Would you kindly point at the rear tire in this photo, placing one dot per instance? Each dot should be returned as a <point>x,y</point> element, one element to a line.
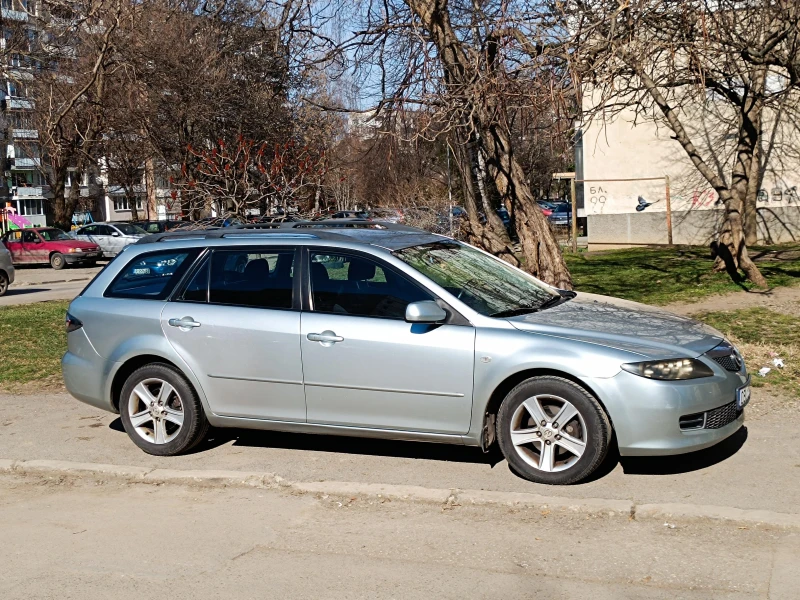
<point>57,261</point>
<point>3,283</point>
<point>161,412</point>
<point>551,430</point>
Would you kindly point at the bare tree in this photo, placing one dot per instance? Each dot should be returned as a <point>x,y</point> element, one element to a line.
<point>459,64</point>
<point>673,60</point>
<point>74,59</point>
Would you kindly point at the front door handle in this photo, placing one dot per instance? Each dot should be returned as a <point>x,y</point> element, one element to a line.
<point>185,323</point>
<point>327,337</point>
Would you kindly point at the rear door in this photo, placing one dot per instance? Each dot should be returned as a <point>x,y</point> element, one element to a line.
<point>237,325</point>
<point>13,242</point>
<point>364,366</point>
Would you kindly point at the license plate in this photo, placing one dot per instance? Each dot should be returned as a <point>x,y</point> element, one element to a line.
<point>144,271</point>
<point>742,397</point>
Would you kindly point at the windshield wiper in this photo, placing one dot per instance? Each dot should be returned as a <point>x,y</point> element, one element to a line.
<point>515,312</point>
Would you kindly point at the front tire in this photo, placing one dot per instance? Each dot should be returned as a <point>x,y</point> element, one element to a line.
<point>552,431</point>
<point>3,283</point>
<point>161,412</point>
<point>57,261</point>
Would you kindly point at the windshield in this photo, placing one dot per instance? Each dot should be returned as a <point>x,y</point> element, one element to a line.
<point>129,229</point>
<point>563,208</point>
<point>52,235</point>
<point>486,284</point>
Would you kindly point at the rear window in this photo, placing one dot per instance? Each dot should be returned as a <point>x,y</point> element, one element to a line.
<point>152,276</point>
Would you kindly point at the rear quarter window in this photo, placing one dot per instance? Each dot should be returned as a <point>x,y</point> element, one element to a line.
<point>152,276</point>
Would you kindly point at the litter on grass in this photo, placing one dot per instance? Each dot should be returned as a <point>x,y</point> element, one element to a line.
<point>778,362</point>
<point>762,372</point>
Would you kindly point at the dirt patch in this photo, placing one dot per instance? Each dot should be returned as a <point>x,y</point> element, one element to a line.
<point>784,300</point>
<point>53,384</point>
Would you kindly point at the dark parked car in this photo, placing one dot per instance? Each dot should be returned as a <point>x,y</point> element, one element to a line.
<point>43,245</point>
<point>350,214</point>
<point>157,226</point>
<point>562,214</point>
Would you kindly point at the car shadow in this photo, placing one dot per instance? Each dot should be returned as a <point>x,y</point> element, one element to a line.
<point>685,463</point>
<point>644,465</point>
<point>21,291</point>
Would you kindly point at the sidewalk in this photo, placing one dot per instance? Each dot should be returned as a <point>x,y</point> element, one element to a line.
<point>44,274</point>
<point>757,469</point>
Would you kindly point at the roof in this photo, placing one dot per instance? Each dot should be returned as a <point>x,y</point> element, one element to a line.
<point>391,236</point>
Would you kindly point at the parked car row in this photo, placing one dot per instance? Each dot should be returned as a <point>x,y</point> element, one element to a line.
<point>48,245</point>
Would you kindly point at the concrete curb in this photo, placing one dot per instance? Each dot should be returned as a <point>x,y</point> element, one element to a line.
<point>445,497</point>
<point>50,282</point>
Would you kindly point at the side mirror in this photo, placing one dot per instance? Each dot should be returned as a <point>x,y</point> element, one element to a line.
<point>115,234</point>
<point>426,311</point>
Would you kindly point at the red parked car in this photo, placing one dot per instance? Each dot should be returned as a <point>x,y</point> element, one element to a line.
<point>43,245</point>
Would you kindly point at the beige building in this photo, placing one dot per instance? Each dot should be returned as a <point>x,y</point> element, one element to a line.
<point>624,162</point>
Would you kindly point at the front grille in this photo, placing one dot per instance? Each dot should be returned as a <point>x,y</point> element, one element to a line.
<point>729,363</point>
<point>712,419</point>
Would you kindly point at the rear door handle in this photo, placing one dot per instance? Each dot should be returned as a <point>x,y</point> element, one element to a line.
<point>326,337</point>
<point>184,323</point>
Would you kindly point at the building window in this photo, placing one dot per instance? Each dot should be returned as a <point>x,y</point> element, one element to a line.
<point>30,207</point>
<point>122,203</point>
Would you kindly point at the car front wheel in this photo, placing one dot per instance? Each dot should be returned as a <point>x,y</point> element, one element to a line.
<point>3,283</point>
<point>553,431</point>
<point>161,412</point>
<point>57,261</point>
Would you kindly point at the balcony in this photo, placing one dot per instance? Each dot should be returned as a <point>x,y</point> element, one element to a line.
<point>27,163</point>
<point>26,134</point>
<point>19,103</point>
<point>14,15</point>
<point>36,191</point>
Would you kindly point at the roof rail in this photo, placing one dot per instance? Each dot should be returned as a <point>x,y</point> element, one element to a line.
<point>276,228</point>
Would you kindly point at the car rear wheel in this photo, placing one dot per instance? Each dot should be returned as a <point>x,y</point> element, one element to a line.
<point>161,412</point>
<point>3,283</point>
<point>57,261</point>
<point>551,430</point>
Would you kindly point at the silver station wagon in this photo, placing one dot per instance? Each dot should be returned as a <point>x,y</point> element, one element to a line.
<point>380,330</point>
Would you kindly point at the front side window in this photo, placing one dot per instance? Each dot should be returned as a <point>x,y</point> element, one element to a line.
<point>52,235</point>
<point>256,278</point>
<point>129,229</point>
<point>90,230</point>
<point>152,276</point>
<point>354,285</point>
<point>29,237</point>
<point>486,284</point>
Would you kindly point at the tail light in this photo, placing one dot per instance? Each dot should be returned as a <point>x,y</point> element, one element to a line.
<point>72,323</point>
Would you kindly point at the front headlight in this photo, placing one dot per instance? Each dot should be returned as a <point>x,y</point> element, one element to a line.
<point>670,370</point>
<point>76,249</point>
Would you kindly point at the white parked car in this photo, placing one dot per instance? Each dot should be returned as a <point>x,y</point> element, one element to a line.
<point>111,237</point>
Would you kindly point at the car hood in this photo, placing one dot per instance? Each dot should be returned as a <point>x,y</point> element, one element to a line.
<point>64,245</point>
<point>624,325</point>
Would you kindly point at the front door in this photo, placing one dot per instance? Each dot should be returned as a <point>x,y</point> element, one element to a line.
<point>237,326</point>
<point>33,248</point>
<point>364,366</point>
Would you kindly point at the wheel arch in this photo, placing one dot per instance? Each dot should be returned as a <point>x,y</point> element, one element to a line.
<point>509,383</point>
<point>133,363</point>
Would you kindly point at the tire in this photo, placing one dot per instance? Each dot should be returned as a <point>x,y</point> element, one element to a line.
<point>3,283</point>
<point>57,261</point>
<point>523,441</point>
<point>145,385</point>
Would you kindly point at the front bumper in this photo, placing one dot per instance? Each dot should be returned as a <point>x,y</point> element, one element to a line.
<point>646,413</point>
<point>82,257</point>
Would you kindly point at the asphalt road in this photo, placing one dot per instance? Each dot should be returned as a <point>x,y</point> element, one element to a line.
<point>41,283</point>
<point>759,468</point>
<point>93,542</point>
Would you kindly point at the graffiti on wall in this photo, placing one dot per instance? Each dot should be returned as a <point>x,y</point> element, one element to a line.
<point>777,194</point>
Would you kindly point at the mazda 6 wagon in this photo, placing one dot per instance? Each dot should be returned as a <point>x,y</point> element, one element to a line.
<point>380,330</point>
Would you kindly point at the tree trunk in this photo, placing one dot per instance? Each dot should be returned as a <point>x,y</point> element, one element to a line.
<point>151,210</point>
<point>541,253</point>
<point>479,234</point>
<point>540,250</point>
<point>731,248</point>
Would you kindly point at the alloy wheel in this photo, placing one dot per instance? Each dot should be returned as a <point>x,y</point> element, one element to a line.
<point>156,411</point>
<point>548,433</point>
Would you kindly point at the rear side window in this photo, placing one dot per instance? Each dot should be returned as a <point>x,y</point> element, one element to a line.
<point>261,279</point>
<point>152,276</point>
